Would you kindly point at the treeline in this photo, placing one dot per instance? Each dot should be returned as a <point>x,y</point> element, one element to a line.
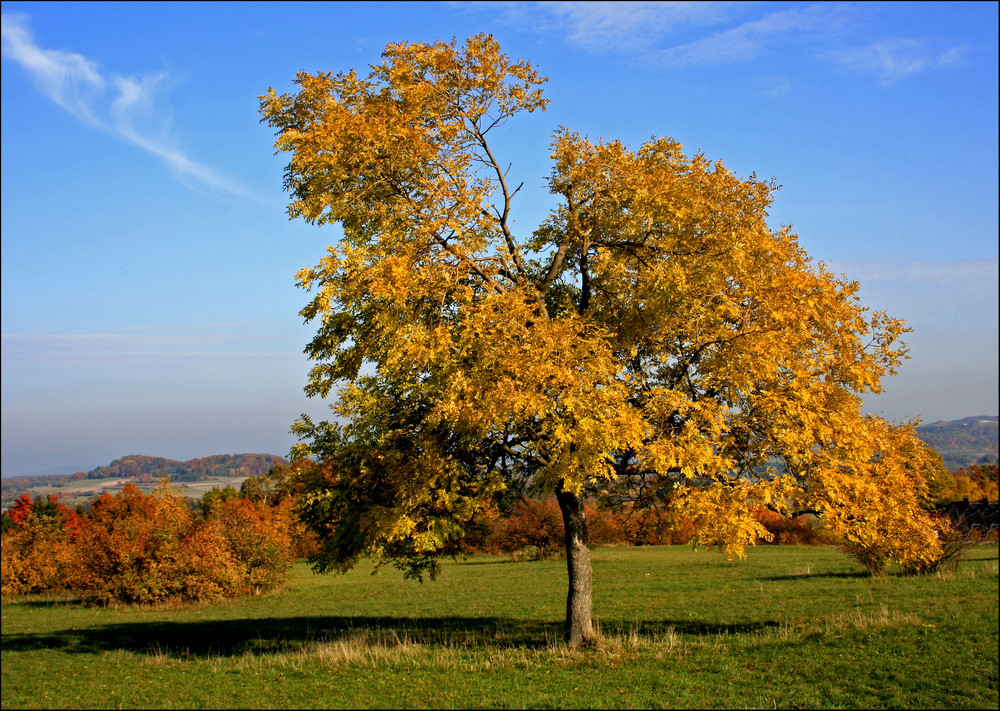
<point>13,486</point>
<point>160,547</point>
<point>974,482</point>
<point>233,465</point>
<point>146,468</point>
<point>533,529</point>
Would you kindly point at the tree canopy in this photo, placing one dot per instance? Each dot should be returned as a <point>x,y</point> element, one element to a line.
<point>652,340</point>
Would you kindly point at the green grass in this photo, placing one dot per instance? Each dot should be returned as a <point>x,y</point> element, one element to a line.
<point>789,627</point>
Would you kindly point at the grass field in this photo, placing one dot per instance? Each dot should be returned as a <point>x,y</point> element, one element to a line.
<point>798,627</point>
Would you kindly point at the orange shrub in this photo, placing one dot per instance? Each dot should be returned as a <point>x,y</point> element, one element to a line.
<point>130,547</point>
<point>656,525</point>
<point>790,531</point>
<point>206,568</point>
<point>533,529</point>
<point>260,540</point>
<point>37,551</point>
<point>143,548</point>
<point>604,528</point>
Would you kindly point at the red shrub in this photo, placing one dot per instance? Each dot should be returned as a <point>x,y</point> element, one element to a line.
<point>790,531</point>
<point>533,529</point>
<point>130,547</point>
<point>604,528</point>
<point>150,548</point>
<point>656,525</point>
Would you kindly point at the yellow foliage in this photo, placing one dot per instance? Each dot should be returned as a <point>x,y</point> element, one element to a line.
<point>652,332</point>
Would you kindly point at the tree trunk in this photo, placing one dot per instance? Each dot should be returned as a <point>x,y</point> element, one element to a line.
<point>579,601</point>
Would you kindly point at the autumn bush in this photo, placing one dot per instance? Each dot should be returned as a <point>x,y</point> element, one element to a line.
<point>956,540</point>
<point>148,548</point>
<point>796,530</point>
<point>38,552</point>
<point>875,541</point>
<point>152,548</point>
<point>277,488</point>
<point>654,525</point>
<point>534,530</point>
<point>880,512</point>
<point>130,549</point>
<point>259,539</point>
<point>605,529</point>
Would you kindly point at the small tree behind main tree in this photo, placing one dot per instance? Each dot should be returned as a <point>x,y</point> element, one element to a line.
<point>652,334</point>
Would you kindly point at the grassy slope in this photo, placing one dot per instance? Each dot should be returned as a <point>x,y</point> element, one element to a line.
<point>788,627</point>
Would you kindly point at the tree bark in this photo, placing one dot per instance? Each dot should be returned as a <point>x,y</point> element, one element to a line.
<point>580,599</point>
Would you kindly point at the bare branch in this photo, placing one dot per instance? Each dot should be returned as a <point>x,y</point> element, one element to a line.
<point>512,247</point>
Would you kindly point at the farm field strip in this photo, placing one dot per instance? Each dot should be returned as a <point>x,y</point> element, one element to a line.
<point>95,487</point>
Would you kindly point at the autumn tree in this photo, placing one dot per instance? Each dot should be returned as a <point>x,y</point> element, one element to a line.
<point>652,334</point>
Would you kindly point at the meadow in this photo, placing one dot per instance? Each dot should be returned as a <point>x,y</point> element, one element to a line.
<point>798,627</point>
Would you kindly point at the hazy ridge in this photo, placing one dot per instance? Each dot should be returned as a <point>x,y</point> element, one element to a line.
<point>971,440</point>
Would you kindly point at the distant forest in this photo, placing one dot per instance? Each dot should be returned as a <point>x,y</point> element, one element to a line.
<point>971,440</point>
<point>143,467</point>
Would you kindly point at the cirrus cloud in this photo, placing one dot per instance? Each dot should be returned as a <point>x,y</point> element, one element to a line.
<point>124,107</point>
<point>894,59</point>
<point>680,35</point>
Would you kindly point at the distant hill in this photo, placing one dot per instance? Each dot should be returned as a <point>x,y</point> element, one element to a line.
<point>150,469</point>
<point>971,440</point>
<point>192,470</point>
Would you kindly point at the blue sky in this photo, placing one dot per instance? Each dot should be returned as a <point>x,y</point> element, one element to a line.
<point>148,296</point>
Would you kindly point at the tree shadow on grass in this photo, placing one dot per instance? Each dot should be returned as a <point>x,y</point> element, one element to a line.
<point>274,635</point>
<point>271,635</point>
<point>497,560</point>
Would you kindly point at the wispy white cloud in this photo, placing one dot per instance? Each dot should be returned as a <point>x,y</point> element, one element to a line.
<point>629,26</point>
<point>693,34</point>
<point>71,80</point>
<point>749,39</point>
<point>124,107</point>
<point>605,26</point>
<point>894,59</point>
